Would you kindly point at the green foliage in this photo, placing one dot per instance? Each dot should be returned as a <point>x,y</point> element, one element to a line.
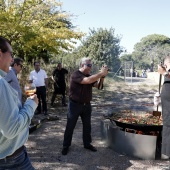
<point>151,50</point>
<point>126,57</point>
<point>36,28</point>
<point>102,46</point>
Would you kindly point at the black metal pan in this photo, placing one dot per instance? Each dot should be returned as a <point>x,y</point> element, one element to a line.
<point>140,127</point>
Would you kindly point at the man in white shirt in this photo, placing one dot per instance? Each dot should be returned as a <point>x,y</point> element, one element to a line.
<point>40,79</point>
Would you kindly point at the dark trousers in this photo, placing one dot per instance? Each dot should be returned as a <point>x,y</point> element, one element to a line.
<point>59,90</point>
<point>76,110</point>
<point>41,94</point>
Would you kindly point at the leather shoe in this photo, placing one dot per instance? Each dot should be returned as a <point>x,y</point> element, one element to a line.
<point>45,113</point>
<point>65,150</point>
<point>37,113</point>
<point>91,147</point>
<point>64,104</point>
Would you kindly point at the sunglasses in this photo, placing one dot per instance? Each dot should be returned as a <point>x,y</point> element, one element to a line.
<point>88,65</point>
<point>20,65</point>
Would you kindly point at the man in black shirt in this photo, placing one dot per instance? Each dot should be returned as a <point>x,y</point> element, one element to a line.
<point>58,77</point>
<point>80,95</point>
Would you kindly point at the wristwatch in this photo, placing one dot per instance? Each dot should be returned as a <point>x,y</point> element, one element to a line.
<point>166,74</point>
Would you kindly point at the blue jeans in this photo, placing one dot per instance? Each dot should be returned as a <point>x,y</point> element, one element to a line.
<point>18,162</point>
<point>76,110</point>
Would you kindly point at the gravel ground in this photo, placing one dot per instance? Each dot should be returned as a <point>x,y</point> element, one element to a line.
<point>45,144</point>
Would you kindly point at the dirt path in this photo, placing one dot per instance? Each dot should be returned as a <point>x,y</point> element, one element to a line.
<point>45,144</point>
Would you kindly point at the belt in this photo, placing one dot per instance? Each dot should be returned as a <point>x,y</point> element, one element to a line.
<point>15,153</point>
<point>166,82</point>
<point>40,86</point>
<point>81,103</point>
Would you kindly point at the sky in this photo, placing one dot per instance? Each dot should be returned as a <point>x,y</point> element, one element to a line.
<point>131,19</point>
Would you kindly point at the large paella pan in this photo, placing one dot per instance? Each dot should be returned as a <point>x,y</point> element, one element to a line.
<point>142,121</point>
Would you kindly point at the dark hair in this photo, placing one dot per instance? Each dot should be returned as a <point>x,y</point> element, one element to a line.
<point>16,61</point>
<point>36,62</point>
<point>3,44</point>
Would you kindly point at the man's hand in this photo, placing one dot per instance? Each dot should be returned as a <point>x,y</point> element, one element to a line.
<point>34,97</point>
<point>157,99</point>
<point>161,69</point>
<point>104,70</point>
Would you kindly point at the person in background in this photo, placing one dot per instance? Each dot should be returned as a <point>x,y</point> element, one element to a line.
<point>14,119</point>
<point>165,102</point>
<point>58,77</point>
<point>11,76</point>
<point>80,95</point>
<point>39,78</point>
<point>131,72</point>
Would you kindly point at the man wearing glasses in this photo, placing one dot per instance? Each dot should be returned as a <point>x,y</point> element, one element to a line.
<point>14,119</point>
<point>80,95</point>
<point>11,77</point>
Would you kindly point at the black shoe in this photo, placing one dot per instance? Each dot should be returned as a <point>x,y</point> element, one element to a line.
<point>65,150</point>
<point>45,113</point>
<point>91,147</point>
<point>37,113</point>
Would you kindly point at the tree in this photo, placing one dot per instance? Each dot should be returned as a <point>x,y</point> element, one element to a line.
<point>151,49</point>
<point>36,28</point>
<point>102,46</point>
<point>126,57</point>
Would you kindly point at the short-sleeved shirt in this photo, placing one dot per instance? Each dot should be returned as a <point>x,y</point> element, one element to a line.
<point>59,75</point>
<point>80,92</point>
<point>38,78</point>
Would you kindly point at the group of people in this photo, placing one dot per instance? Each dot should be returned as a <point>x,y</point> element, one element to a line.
<point>40,79</point>
<point>15,115</point>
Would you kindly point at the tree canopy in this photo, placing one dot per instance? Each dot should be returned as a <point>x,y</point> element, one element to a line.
<point>102,46</point>
<point>152,47</point>
<point>36,28</point>
<point>150,51</point>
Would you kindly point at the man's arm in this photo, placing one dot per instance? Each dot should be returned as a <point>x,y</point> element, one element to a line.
<point>14,120</point>
<point>95,77</point>
<point>99,83</point>
<point>30,79</point>
<point>53,75</point>
<point>46,82</point>
<point>66,71</point>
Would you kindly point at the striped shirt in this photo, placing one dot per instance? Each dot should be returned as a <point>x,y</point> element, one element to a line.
<point>11,78</point>
<point>14,119</point>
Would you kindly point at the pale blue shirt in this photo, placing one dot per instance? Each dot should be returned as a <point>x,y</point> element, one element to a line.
<point>14,119</point>
<point>12,79</point>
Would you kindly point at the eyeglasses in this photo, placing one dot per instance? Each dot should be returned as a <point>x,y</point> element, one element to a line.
<point>20,65</point>
<point>88,65</point>
<point>11,53</point>
<point>37,65</point>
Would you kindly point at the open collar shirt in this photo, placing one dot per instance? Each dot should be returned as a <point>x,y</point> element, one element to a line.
<point>38,78</point>
<point>14,119</point>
